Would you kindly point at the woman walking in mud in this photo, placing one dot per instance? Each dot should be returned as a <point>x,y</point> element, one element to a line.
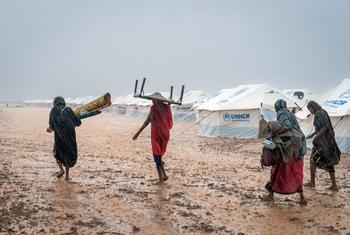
<point>325,151</point>
<point>63,122</point>
<point>287,174</point>
<point>161,121</point>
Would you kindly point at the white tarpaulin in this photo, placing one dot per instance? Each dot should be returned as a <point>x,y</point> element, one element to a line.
<point>119,104</point>
<point>336,102</point>
<point>237,112</point>
<point>190,101</point>
<point>301,96</point>
<point>138,107</point>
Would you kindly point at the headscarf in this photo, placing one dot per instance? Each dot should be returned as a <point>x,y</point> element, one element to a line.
<point>280,104</point>
<point>59,102</point>
<point>314,105</point>
<point>162,113</point>
<point>321,118</point>
<point>288,120</point>
<point>284,116</point>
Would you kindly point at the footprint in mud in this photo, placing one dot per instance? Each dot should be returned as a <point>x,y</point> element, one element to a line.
<point>135,229</point>
<point>187,204</point>
<point>331,229</point>
<point>134,176</point>
<point>176,195</point>
<point>294,219</point>
<point>92,223</point>
<point>186,214</point>
<point>207,227</point>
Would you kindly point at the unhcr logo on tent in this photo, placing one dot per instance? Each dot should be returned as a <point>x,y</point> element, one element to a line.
<point>230,117</point>
<point>335,103</point>
<point>343,99</point>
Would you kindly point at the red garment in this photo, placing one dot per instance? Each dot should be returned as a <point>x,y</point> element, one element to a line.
<point>162,122</point>
<point>287,178</point>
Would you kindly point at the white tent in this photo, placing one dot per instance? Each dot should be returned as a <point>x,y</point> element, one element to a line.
<point>137,107</point>
<point>336,102</point>
<point>43,101</point>
<point>237,112</point>
<point>69,101</point>
<point>190,101</point>
<point>119,104</point>
<point>80,100</point>
<point>38,102</point>
<point>301,96</point>
<point>299,93</point>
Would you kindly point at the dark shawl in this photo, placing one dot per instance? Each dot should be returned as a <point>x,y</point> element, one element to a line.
<point>63,121</point>
<point>293,142</point>
<point>325,147</point>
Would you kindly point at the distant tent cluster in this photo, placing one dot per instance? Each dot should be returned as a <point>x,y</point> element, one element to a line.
<point>241,112</point>
<point>191,100</point>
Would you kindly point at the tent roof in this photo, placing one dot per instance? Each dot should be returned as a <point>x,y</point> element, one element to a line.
<point>308,95</point>
<point>122,99</point>
<point>193,97</point>
<point>131,100</point>
<point>138,102</point>
<point>336,101</point>
<point>306,92</point>
<point>80,100</point>
<point>45,101</point>
<point>246,97</point>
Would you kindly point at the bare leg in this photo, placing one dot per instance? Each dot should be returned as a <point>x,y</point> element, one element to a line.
<point>67,173</point>
<point>60,174</point>
<point>311,184</point>
<point>159,170</point>
<point>165,177</point>
<point>302,199</point>
<point>334,184</point>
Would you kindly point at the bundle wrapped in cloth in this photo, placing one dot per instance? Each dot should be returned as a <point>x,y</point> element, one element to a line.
<point>94,107</point>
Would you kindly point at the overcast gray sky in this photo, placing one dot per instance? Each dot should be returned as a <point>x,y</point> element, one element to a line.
<point>80,48</point>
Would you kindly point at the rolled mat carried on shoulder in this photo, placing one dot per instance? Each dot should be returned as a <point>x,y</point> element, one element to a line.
<point>94,107</point>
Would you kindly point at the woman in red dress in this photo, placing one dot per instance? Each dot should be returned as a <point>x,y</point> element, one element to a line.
<point>287,175</point>
<point>160,117</point>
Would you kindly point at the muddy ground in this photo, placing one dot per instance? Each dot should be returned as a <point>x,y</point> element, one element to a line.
<point>214,184</point>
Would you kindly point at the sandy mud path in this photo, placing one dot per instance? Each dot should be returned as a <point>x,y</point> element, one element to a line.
<point>214,184</point>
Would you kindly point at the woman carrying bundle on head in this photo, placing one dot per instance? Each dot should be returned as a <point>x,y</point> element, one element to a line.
<point>63,122</point>
<point>160,117</point>
<point>325,152</point>
<point>287,172</point>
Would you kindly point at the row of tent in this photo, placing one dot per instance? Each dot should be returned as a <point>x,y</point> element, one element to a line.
<point>140,107</point>
<point>238,112</point>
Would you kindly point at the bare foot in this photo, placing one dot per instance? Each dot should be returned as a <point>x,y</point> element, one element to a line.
<point>310,185</point>
<point>60,174</point>
<point>159,182</point>
<point>67,178</point>
<point>303,201</point>
<point>165,178</point>
<point>267,198</point>
<point>334,188</point>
